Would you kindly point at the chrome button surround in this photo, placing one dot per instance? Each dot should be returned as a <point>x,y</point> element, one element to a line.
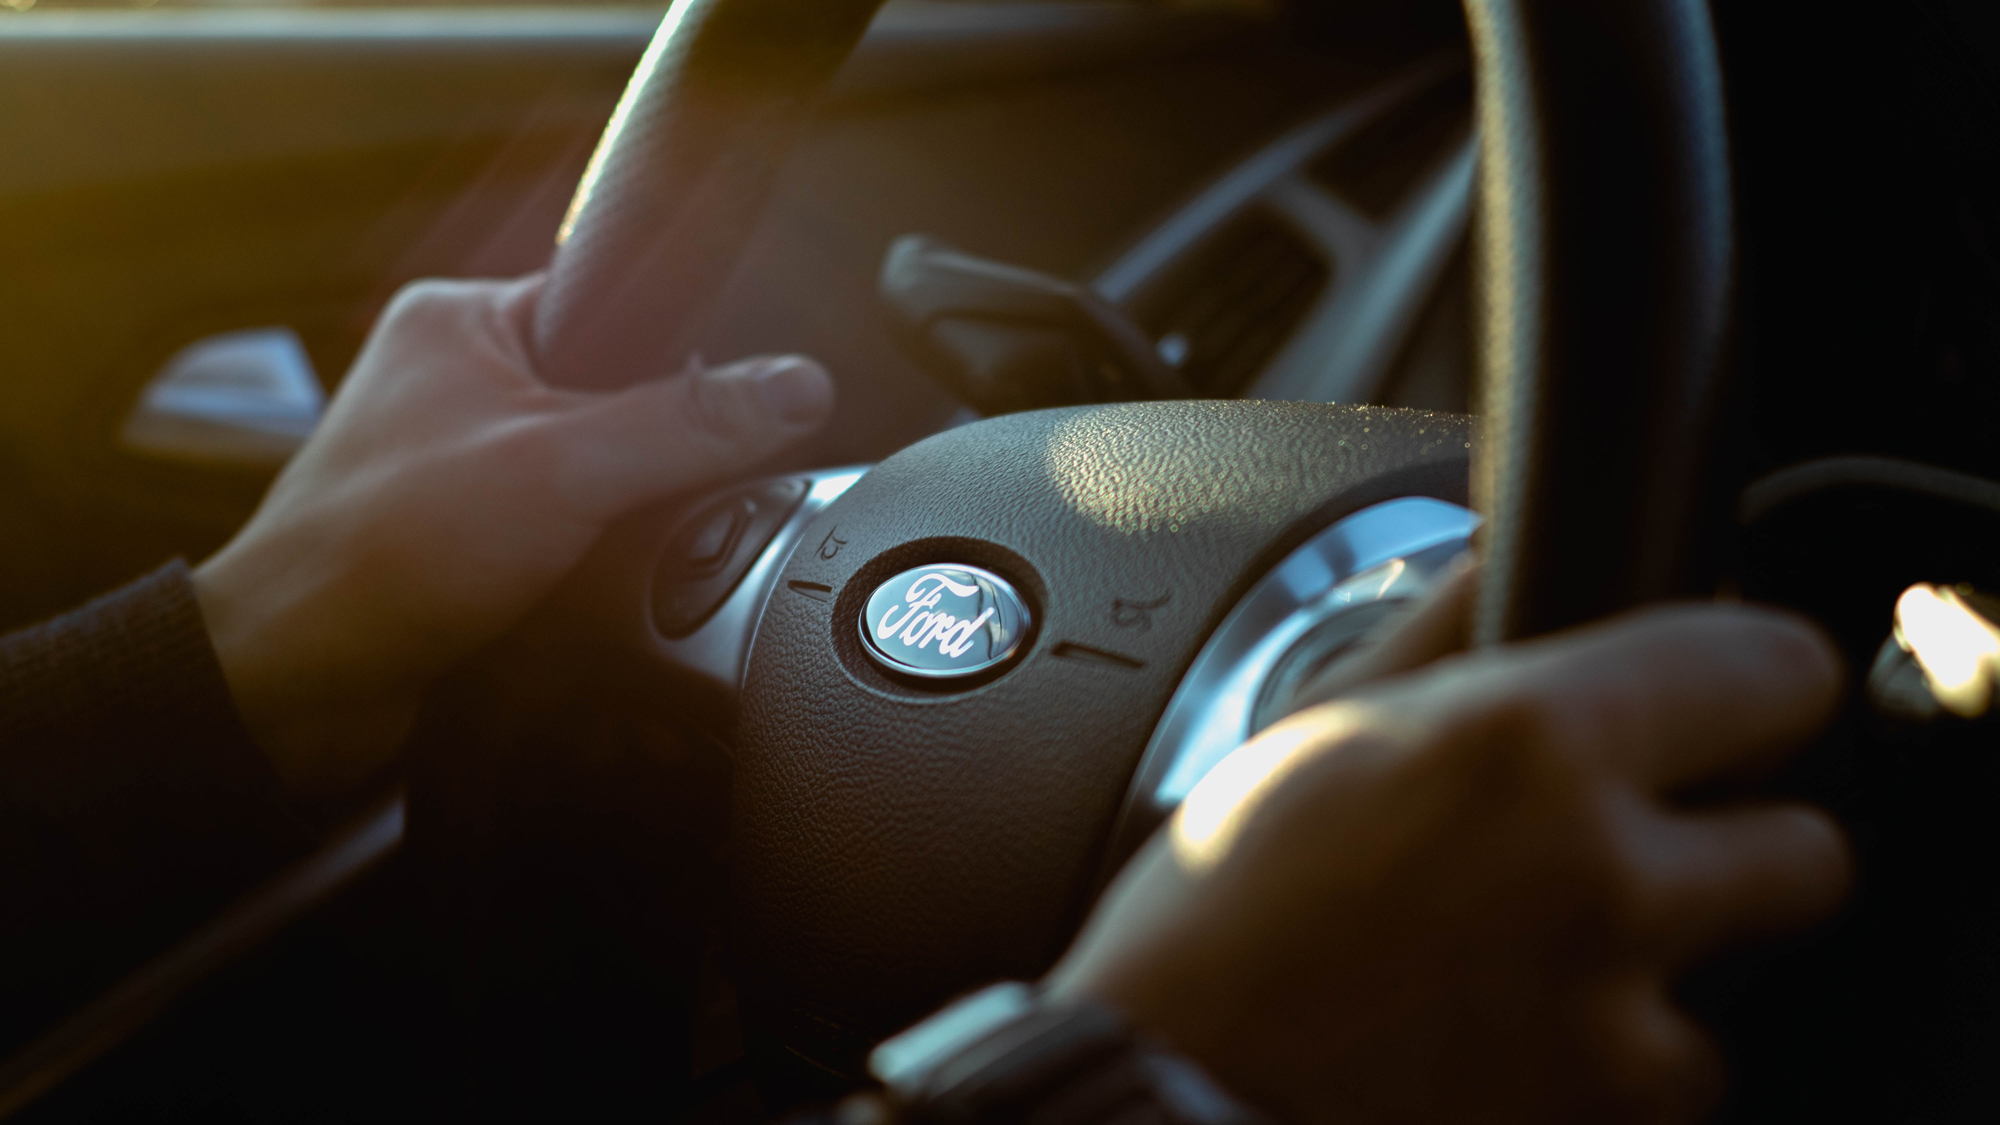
<point>943,621</point>
<point>1392,551</point>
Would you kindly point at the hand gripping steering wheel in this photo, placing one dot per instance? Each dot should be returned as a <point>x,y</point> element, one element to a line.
<point>897,840</point>
<point>896,837</point>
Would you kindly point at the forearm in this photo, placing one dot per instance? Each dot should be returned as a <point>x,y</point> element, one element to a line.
<point>132,802</point>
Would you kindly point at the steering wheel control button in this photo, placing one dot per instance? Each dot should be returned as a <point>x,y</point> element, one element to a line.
<point>711,550</point>
<point>704,546</point>
<point>1310,610</point>
<point>943,622</point>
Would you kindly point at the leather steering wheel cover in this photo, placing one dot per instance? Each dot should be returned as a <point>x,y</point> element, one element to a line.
<point>1605,259</point>
<point>892,844</point>
<point>679,181</point>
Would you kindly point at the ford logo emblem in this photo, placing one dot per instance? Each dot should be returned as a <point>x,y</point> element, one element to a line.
<point>943,621</point>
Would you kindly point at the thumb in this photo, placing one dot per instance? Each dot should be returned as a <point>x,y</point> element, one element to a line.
<point>1439,625</point>
<point>654,439</point>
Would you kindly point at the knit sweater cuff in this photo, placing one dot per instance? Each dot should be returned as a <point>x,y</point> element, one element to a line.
<point>133,803</point>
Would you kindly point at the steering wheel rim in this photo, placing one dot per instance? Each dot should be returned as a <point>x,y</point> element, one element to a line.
<point>679,180</point>
<point>1605,246</point>
<point>1606,263</point>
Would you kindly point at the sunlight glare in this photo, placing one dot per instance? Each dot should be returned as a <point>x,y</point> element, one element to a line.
<point>1112,468</point>
<point>1212,817</point>
<point>1958,649</point>
<point>664,40</point>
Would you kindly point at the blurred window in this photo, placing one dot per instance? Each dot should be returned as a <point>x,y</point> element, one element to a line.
<point>661,5</point>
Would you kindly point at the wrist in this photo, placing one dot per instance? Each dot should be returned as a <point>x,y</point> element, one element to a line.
<point>323,737</point>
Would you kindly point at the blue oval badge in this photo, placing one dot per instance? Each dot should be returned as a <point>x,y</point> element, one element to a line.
<point>943,621</point>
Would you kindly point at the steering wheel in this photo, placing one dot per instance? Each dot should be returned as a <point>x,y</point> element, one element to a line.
<point>910,821</point>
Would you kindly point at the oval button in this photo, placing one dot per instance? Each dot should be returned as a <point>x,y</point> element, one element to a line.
<point>943,621</point>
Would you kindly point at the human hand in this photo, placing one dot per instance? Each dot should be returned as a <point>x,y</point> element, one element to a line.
<point>445,493</point>
<point>1465,893</point>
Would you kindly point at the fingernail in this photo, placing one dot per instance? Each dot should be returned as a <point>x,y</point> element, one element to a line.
<point>797,392</point>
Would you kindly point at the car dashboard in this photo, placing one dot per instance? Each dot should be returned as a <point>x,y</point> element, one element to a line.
<point>1248,194</point>
<point>1280,209</point>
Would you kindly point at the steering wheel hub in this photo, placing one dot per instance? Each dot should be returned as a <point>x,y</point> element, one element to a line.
<point>894,844</point>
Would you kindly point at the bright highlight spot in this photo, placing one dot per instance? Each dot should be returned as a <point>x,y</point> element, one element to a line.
<point>665,40</point>
<point>1958,649</point>
<point>1215,811</point>
<point>1112,468</point>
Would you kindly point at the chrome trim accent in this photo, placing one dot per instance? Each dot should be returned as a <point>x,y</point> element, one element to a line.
<point>1211,713</point>
<point>246,398</point>
<point>904,1060</point>
<point>719,651</point>
<point>1249,181</point>
<point>1383,272</point>
<point>1348,344</point>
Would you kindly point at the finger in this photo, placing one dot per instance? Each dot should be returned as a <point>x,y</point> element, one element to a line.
<point>1438,625</point>
<point>655,439</point>
<point>515,305</point>
<point>1684,696</point>
<point>1730,877</point>
<point>1662,1065</point>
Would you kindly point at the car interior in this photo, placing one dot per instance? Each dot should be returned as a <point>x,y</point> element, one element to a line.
<point>1211,330</point>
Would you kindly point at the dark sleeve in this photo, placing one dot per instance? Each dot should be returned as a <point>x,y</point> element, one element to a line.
<point>133,804</point>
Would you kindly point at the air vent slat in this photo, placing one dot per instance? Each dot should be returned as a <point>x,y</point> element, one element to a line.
<point>1229,306</point>
<point>1376,168</point>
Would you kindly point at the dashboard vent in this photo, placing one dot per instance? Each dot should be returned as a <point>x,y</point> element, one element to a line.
<point>1225,309</point>
<point>1376,167</point>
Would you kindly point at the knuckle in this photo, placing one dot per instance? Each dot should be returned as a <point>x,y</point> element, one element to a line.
<point>1633,877</point>
<point>1833,850</point>
<point>1637,904</point>
<point>1819,857</point>
<point>1655,1063</point>
<point>1771,647</point>
<point>426,311</point>
<point>1680,1080</point>
<point>716,407</point>
<point>440,305</point>
<point>690,405</point>
<point>1522,748</point>
<point>534,451</point>
<point>714,411</point>
<point>419,300</point>
<point>1520,739</point>
<point>1799,652</point>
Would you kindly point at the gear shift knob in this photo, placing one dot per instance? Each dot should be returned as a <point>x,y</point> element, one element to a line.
<point>1006,338</point>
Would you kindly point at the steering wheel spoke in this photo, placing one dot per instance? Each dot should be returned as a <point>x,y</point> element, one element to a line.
<point>672,596</point>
